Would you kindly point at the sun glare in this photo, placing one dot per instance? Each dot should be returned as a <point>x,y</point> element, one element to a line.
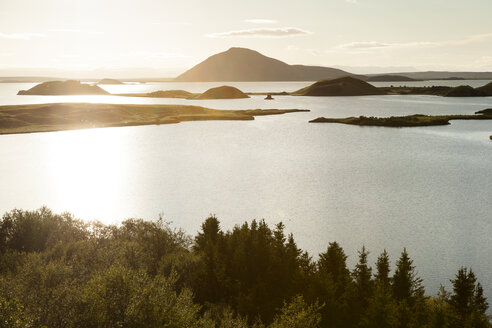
<point>88,169</point>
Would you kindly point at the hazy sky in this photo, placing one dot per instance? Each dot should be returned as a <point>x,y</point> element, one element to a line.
<point>163,38</point>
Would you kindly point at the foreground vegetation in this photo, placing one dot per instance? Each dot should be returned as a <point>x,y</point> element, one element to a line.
<point>71,116</point>
<point>405,121</point>
<point>56,271</point>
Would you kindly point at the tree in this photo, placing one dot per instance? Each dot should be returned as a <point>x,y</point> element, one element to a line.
<point>383,269</point>
<point>298,314</point>
<point>406,284</point>
<point>468,304</point>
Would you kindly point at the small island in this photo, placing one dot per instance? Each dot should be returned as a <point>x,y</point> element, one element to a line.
<point>110,81</point>
<point>405,121</point>
<point>443,91</point>
<point>63,88</point>
<point>344,86</point>
<point>161,94</point>
<point>223,92</point>
<point>72,116</point>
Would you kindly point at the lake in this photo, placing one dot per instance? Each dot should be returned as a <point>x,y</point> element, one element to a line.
<point>428,189</point>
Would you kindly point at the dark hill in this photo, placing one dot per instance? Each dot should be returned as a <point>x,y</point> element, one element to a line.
<point>59,88</point>
<point>223,92</point>
<point>345,86</point>
<point>390,78</point>
<point>241,64</point>
<point>463,91</point>
<point>486,90</point>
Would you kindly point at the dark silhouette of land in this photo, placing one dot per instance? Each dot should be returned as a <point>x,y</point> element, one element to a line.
<point>460,91</point>
<point>223,92</point>
<point>390,78</point>
<point>344,86</point>
<point>71,116</point>
<point>241,64</point>
<point>161,94</point>
<point>59,88</point>
<point>110,81</point>
<point>406,121</point>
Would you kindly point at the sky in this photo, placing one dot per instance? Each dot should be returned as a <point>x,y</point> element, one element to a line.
<point>160,38</point>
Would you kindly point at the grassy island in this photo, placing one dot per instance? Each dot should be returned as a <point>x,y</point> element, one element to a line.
<point>406,121</point>
<point>72,116</point>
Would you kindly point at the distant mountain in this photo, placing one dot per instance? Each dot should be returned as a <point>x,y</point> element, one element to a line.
<point>345,86</point>
<point>241,64</point>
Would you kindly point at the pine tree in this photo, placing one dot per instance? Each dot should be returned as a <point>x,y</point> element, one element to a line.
<point>383,269</point>
<point>406,284</point>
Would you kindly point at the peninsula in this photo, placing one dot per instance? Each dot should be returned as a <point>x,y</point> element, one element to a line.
<point>406,121</point>
<point>72,116</point>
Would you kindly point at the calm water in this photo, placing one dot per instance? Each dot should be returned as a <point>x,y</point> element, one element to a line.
<point>427,189</point>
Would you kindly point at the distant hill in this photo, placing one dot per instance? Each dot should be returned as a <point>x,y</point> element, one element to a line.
<point>59,88</point>
<point>345,86</point>
<point>241,64</point>
<point>390,78</point>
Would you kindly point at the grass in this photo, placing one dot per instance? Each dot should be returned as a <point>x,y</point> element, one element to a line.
<point>405,121</point>
<point>73,116</point>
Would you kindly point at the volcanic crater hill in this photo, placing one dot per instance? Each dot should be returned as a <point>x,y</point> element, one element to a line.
<point>344,86</point>
<point>223,92</point>
<point>61,88</point>
<point>242,64</point>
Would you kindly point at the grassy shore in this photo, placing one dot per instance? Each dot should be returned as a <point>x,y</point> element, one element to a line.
<point>72,116</point>
<point>405,121</point>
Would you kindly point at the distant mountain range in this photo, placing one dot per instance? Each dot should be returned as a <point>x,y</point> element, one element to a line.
<point>241,64</point>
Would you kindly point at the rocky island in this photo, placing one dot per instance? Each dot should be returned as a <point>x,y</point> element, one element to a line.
<point>63,88</point>
<point>71,116</point>
<point>406,121</point>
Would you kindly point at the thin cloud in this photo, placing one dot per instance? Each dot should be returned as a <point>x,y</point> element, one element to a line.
<point>74,30</point>
<point>21,36</point>
<point>378,45</point>
<point>260,21</point>
<point>281,32</point>
<point>374,45</point>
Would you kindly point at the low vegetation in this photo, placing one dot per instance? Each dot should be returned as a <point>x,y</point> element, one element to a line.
<point>405,121</point>
<point>57,271</point>
<point>70,116</point>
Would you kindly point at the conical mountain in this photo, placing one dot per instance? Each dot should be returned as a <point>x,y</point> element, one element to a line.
<point>241,64</point>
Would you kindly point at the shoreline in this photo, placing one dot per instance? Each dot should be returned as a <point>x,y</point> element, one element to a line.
<point>20,119</point>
